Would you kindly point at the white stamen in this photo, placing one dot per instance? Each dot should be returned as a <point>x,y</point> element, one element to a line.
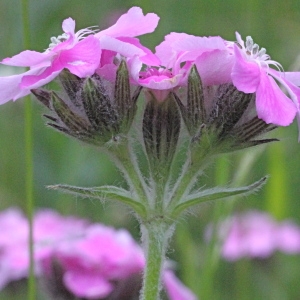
<point>57,40</point>
<point>253,51</point>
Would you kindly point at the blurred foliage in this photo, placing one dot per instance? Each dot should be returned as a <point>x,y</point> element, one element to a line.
<point>274,25</point>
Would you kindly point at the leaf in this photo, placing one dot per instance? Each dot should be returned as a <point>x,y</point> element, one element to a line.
<point>103,193</point>
<point>216,194</point>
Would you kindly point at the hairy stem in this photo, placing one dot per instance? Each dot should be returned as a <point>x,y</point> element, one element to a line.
<point>127,164</point>
<point>155,236</point>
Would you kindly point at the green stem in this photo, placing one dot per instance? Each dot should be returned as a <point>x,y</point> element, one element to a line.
<point>29,159</point>
<point>155,236</point>
<point>184,184</point>
<point>122,157</point>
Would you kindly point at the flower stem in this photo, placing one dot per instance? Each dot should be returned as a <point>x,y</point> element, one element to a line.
<point>29,158</point>
<point>155,236</point>
<point>123,160</point>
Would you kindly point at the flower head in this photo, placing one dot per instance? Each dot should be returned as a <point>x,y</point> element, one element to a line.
<point>74,51</point>
<point>82,53</point>
<point>177,53</point>
<point>252,73</point>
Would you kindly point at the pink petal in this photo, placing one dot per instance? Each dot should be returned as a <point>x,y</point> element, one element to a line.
<point>134,66</point>
<point>148,57</point>
<point>288,237</point>
<point>293,77</point>
<point>87,285</point>
<point>10,86</point>
<point>175,289</point>
<point>68,26</point>
<point>245,73</point>
<point>83,59</point>
<point>131,24</point>
<point>215,67</point>
<point>118,46</point>
<point>35,81</point>
<point>108,71</point>
<point>186,47</point>
<point>28,58</point>
<point>272,105</point>
<point>202,44</point>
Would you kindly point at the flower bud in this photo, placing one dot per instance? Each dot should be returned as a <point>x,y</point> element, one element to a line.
<point>71,84</point>
<point>125,104</point>
<point>220,118</point>
<point>89,110</point>
<point>98,107</point>
<point>161,128</point>
<point>194,114</point>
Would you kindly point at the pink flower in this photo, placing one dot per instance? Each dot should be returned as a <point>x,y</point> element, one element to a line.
<point>177,53</point>
<point>49,229</point>
<point>210,54</point>
<point>82,53</point>
<point>257,234</point>
<point>92,263</point>
<point>74,51</point>
<point>13,262</point>
<point>175,289</point>
<point>251,73</point>
<point>95,264</point>
<point>93,260</point>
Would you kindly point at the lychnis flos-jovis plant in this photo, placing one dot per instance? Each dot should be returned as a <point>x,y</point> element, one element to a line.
<point>204,96</point>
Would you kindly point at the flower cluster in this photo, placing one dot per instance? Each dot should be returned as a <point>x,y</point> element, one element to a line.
<point>74,257</point>
<point>256,234</point>
<point>88,52</point>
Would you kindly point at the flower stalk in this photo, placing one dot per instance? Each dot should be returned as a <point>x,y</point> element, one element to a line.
<point>157,195</point>
<point>156,234</point>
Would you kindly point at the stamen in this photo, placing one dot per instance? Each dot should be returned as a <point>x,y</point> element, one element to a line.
<point>262,52</point>
<point>57,40</point>
<point>249,43</point>
<point>255,49</point>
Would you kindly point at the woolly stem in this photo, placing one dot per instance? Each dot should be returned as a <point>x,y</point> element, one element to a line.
<point>155,236</point>
<point>123,159</point>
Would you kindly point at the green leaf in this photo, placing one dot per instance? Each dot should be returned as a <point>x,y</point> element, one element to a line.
<point>103,193</point>
<point>216,194</point>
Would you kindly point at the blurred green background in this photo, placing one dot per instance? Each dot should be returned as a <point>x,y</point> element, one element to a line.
<point>274,25</point>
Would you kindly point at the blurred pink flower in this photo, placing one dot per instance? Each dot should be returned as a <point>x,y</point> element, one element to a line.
<point>251,73</point>
<point>257,234</point>
<point>49,229</point>
<point>93,260</point>
<point>175,289</point>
